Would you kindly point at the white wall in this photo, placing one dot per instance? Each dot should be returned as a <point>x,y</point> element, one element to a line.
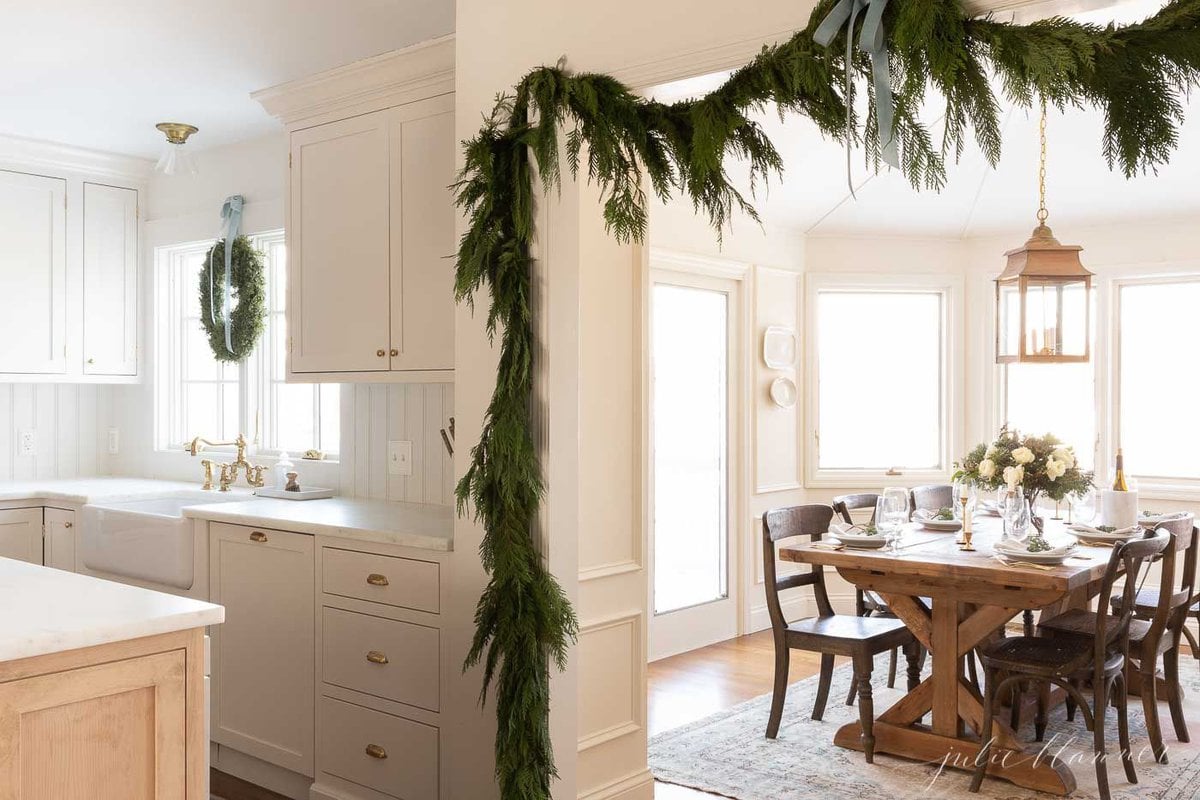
<point>184,208</point>
<point>70,424</point>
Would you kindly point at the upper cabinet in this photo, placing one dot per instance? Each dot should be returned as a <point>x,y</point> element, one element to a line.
<point>69,266</point>
<point>33,273</point>
<point>110,259</point>
<point>371,218</point>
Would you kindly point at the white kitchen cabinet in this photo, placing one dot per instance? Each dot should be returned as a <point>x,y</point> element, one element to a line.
<point>21,534</point>
<point>59,545</point>
<point>33,274</point>
<point>110,259</point>
<point>263,664</point>
<point>370,241</point>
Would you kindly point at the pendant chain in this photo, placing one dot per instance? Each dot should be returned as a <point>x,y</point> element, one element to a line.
<point>1042,213</point>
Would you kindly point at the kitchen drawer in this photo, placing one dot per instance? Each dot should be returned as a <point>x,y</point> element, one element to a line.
<point>401,582</point>
<point>390,659</point>
<point>386,753</point>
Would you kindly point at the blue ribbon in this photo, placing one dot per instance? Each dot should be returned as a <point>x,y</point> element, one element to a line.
<point>231,221</point>
<point>871,41</point>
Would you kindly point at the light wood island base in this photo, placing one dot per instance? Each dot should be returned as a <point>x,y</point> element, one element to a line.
<point>120,721</point>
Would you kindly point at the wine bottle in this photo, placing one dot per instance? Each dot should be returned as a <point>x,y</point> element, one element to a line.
<point>1119,482</point>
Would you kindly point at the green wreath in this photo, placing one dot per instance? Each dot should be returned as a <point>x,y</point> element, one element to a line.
<point>249,287</point>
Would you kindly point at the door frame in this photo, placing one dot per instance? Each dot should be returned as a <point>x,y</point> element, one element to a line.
<point>734,278</point>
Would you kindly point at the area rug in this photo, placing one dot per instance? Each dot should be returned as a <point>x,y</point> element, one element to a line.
<point>728,754</point>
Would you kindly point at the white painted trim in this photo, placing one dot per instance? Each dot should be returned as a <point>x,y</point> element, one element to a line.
<point>390,79</point>
<point>704,60</point>
<point>637,653</point>
<point>638,785</point>
<point>608,570</point>
<point>40,156</point>
<point>691,264</point>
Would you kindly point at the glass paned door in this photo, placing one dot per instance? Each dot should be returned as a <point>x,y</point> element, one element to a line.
<point>692,379</point>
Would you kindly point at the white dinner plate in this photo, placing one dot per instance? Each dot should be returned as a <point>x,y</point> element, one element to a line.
<point>1101,536</point>
<point>1017,552</point>
<point>944,525</point>
<point>865,542</point>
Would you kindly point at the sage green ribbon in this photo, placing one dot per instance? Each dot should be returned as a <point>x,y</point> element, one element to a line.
<point>231,220</point>
<point>871,41</point>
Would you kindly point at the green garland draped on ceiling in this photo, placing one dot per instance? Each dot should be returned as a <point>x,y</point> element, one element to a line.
<point>1138,75</point>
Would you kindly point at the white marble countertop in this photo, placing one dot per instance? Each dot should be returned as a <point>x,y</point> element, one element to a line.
<point>44,610</point>
<point>427,527</point>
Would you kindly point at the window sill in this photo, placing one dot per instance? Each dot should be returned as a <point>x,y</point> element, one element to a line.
<point>858,479</point>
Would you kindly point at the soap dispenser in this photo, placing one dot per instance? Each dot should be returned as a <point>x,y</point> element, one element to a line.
<point>282,467</point>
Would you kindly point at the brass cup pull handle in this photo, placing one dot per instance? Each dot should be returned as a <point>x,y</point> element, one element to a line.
<point>380,353</point>
<point>376,657</point>
<point>375,751</point>
<point>258,536</point>
<point>375,579</point>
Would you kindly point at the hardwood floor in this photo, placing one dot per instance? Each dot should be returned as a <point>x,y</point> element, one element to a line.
<point>690,686</point>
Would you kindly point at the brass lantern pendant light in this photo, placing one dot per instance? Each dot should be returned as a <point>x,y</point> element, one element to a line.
<point>1043,297</point>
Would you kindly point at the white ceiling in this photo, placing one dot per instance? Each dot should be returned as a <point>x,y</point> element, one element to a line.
<point>977,200</point>
<point>101,74</point>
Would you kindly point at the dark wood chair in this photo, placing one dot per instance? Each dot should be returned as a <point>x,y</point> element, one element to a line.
<point>933,497</point>
<point>1069,661</point>
<point>830,634</point>
<point>1156,633</point>
<point>866,603</point>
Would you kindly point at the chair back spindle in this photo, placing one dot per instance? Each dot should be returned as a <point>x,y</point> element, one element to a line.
<point>1130,559</point>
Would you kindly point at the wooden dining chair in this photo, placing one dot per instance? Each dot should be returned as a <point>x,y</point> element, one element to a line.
<point>1069,661</point>
<point>859,638</point>
<point>1156,633</point>
<point>933,497</point>
<point>866,603</point>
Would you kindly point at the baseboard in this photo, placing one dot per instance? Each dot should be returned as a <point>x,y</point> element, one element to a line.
<point>259,773</point>
<point>635,786</point>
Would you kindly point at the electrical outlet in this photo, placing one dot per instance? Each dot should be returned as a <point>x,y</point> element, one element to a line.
<point>400,456</point>
<point>114,441</point>
<point>27,441</point>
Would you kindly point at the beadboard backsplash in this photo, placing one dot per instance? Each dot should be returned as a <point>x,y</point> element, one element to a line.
<point>375,414</point>
<point>70,429</point>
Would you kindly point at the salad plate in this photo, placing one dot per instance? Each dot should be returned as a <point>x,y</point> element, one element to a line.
<point>1018,551</point>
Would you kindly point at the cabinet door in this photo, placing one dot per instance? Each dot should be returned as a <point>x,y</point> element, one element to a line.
<point>60,539</point>
<point>116,731</point>
<point>422,228</point>
<point>110,258</point>
<point>33,273</point>
<point>337,311</point>
<point>21,534</point>
<point>264,656</point>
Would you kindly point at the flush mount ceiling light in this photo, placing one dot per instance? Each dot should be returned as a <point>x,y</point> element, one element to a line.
<point>175,158</point>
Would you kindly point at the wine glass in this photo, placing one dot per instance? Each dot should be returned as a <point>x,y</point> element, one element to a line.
<point>964,491</point>
<point>1016,516</point>
<point>1083,507</point>
<point>895,512</point>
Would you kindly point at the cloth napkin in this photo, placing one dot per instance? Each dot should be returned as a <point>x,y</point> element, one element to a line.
<point>842,529</point>
<point>924,515</point>
<point>1087,530</point>
<point>1020,549</point>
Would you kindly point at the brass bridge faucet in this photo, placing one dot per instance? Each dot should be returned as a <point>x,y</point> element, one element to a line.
<point>255,476</point>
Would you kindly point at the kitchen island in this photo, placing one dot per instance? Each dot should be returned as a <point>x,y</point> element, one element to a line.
<point>101,689</point>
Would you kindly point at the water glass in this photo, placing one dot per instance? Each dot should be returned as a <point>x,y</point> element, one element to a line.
<point>1016,516</point>
<point>962,490</point>
<point>1083,507</point>
<point>895,510</point>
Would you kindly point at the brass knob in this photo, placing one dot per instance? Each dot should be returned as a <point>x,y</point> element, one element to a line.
<point>380,353</point>
<point>376,657</point>
<point>375,579</point>
<point>68,524</point>
<point>394,352</point>
<point>375,751</point>
<point>258,536</point>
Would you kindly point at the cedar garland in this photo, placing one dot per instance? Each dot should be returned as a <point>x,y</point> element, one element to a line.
<point>1138,75</point>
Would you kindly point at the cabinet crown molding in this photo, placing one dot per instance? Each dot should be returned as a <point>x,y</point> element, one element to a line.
<point>389,79</point>
<point>53,158</point>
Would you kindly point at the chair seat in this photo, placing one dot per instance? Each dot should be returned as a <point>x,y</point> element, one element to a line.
<point>1079,622</point>
<point>1060,656</point>
<point>1147,603</point>
<point>842,633</point>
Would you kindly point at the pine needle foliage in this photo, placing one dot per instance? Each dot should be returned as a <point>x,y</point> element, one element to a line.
<point>1138,75</point>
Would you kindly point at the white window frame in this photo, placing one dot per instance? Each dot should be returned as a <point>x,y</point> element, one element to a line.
<point>950,286</point>
<point>1149,486</point>
<point>254,373</point>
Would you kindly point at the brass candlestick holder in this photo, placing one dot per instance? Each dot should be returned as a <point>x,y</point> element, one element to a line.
<point>965,543</point>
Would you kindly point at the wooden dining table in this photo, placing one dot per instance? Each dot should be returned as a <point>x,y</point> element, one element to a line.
<point>973,595</point>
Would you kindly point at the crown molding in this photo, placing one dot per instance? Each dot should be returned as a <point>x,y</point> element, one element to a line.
<point>401,76</point>
<point>17,152</point>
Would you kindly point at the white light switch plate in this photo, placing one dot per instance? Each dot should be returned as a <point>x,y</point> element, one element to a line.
<point>27,441</point>
<point>400,456</point>
<point>114,441</point>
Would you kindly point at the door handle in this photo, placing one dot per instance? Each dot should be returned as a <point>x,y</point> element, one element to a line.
<point>381,353</point>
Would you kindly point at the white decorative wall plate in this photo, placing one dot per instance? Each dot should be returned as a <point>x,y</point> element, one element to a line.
<point>783,392</point>
<point>779,347</point>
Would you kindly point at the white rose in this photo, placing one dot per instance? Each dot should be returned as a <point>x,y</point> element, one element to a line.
<point>987,468</point>
<point>991,452</point>
<point>1064,455</point>
<point>1013,476</point>
<point>1022,455</point>
<point>1055,468</point>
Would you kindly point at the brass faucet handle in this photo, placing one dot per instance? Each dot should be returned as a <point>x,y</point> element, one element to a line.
<point>208,474</point>
<point>228,476</point>
<point>255,476</point>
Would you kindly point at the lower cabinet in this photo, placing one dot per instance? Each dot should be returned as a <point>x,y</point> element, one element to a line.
<point>59,545</point>
<point>263,685</point>
<point>384,752</point>
<point>66,719</point>
<point>21,534</point>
